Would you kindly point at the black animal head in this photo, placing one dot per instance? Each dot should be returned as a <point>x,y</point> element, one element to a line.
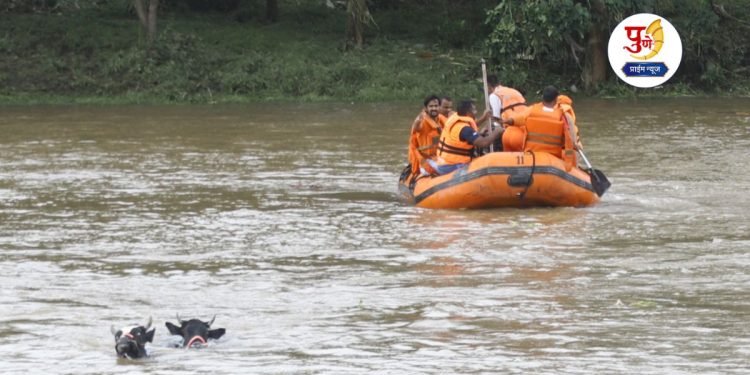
<point>130,342</point>
<point>195,332</point>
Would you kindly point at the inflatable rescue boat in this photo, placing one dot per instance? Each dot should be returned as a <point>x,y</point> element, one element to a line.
<point>503,179</point>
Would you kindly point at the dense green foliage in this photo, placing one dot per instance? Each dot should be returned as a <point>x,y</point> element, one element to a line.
<point>539,36</point>
<point>226,50</point>
<point>99,53</point>
<point>530,35</point>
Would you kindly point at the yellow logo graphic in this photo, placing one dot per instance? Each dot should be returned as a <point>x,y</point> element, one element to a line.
<point>654,37</point>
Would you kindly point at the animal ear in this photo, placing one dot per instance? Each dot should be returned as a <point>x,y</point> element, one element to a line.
<point>173,329</point>
<point>114,331</point>
<point>216,333</point>
<point>150,335</point>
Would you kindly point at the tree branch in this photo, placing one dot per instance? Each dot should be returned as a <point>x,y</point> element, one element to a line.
<point>723,14</point>
<point>153,7</point>
<point>574,47</point>
<point>141,10</point>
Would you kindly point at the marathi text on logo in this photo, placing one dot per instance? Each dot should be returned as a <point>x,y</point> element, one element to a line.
<point>645,69</point>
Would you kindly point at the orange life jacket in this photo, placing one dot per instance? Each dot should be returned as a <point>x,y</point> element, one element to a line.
<point>545,130</point>
<point>423,142</point>
<point>513,102</point>
<point>569,155</point>
<point>452,150</point>
<point>566,104</point>
<point>514,138</point>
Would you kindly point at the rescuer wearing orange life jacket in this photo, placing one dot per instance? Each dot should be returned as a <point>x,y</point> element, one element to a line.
<point>547,128</point>
<point>425,133</point>
<point>505,101</point>
<point>572,138</point>
<point>460,137</point>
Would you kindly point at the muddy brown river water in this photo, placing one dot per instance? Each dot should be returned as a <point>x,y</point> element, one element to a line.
<point>284,221</point>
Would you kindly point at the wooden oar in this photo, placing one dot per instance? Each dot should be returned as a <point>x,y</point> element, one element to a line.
<point>487,100</point>
<point>599,181</point>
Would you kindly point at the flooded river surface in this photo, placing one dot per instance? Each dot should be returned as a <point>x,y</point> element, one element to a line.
<point>284,221</point>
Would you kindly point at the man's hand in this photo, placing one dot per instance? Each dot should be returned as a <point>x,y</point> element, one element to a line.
<point>417,124</point>
<point>484,116</point>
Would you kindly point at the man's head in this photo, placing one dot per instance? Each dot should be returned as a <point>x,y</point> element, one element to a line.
<point>130,342</point>
<point>467,108</point>
<point>549,96</point>
<point>446,106</point>
<point>432,105</point>
<point>492,82</point>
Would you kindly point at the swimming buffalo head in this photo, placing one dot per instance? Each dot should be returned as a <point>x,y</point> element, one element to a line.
<point>194,332</point>
<point>130,342</point>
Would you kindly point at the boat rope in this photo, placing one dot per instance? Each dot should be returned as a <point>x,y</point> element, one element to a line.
<point>528,182</point>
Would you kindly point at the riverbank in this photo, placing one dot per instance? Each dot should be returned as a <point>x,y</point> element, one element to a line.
<point>101,57</point>
<point>95,58</point>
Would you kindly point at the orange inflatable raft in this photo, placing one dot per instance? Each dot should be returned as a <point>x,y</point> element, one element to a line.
<point>503,179</point>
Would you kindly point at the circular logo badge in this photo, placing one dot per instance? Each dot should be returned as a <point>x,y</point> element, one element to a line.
<point>645,50</point>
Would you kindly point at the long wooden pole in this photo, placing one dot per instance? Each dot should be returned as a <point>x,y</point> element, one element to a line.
<point>487,101</point>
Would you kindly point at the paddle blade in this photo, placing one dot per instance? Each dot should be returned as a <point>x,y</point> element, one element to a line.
<point>599,181</point>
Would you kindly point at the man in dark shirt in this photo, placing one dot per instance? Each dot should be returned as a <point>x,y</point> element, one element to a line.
<point>460,137</point>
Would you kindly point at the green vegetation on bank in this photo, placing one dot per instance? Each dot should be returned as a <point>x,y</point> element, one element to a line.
<point>99,54</point>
